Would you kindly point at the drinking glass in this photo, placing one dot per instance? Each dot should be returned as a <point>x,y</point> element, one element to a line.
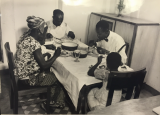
<point>77,54</point>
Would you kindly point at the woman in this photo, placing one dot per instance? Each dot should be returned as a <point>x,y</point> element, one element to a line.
<point>97,98</point>
<point>30,62</point>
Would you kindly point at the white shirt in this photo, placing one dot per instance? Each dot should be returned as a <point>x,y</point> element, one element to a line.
<point>115,42</point>
<point>59,31</point>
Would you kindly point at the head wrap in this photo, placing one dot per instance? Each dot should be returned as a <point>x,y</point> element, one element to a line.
<point>36,22</point>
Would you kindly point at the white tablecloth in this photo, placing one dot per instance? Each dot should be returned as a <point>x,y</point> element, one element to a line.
<point>73,75</point>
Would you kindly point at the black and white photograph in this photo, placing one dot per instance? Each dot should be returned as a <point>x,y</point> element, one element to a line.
<point>80,57</point>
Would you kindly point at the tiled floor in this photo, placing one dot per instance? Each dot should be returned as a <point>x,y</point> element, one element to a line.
<point>30,108</point>
<point>5,104</point>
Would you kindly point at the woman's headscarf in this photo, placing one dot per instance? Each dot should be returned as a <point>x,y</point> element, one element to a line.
<point>36,22</point>
<point>33,22</point>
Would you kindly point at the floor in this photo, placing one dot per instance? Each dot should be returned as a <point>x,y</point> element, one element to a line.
<point>5,104</point>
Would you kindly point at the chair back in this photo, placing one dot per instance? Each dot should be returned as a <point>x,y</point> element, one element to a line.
<point>127,46</point>
<point>11,66</point>
<point>130,80</point>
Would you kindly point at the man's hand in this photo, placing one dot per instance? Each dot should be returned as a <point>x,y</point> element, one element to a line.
<point>100,59</point>
<point>49,35</point>
<point>102,51</point>
<point>71,34</point>
<point>57,52</point>
<point>92,43</point>
<point>52,47</point>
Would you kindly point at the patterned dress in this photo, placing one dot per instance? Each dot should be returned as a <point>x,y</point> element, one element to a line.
<point>26,66</point>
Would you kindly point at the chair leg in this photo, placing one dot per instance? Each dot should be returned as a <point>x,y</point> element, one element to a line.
<point>129,93</point>
<point>11,98</point>
<point>48,99</point>
<point>15,104</point>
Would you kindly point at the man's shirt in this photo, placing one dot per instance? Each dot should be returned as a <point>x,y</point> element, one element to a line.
<point>115,42</point>
<point>59,31</point>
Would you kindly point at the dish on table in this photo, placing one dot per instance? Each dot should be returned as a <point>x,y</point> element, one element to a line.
<point>59,41</point>
<point>83,53</point>
<point>69,46</point>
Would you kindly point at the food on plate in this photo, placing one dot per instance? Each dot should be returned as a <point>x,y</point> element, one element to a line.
<point>64,52</point>
<point>83,53</point>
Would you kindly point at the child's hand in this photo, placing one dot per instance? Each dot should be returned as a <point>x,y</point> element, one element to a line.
<point>48,55</point>
<point>90,66</point>
<point>100,59</point>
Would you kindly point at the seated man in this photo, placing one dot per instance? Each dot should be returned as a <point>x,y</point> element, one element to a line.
<point>57,28</point>
<point>97,98</point>
<point>108,41</point>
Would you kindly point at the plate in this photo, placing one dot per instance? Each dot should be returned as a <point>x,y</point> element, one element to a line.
<point>58,41</point>
<point>49,42</point>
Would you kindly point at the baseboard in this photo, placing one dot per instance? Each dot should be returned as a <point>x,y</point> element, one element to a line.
<point>3,72</point>
<point>153,91</point>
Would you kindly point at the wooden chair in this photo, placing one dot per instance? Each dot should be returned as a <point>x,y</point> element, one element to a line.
<point>127,46</point>
<point>17,89</point>
<point>132,81</point>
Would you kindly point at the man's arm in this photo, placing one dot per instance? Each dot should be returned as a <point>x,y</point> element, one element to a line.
<point>102,51</point>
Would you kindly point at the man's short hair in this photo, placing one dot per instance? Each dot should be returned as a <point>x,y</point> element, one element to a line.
<point>57,11</point>
<point>103,25</point>
<point>113,60</point>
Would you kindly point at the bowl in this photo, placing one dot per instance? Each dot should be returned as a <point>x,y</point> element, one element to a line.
<point>83,53</point>
<point>69,46</point>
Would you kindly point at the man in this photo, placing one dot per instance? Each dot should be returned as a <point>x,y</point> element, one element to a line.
<point>57,28</point>
<point>108,41</point>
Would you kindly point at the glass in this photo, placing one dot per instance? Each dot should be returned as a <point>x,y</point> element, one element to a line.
<point>77,55</point>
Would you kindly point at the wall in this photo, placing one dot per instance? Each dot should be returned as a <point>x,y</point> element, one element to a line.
<point>149,10</point>
<point>77,14</point>
<point>14,14</point>
<point>8,27</point>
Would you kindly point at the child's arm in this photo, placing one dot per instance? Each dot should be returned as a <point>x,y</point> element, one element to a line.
<point>48,55</point>
<point>92,69</point>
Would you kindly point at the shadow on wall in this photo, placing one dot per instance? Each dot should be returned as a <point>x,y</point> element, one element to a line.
<point>20,32</point>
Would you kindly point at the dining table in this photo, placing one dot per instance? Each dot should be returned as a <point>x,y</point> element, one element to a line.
<point>74,78</point>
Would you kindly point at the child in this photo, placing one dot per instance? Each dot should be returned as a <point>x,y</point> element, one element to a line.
<point>97,98</point>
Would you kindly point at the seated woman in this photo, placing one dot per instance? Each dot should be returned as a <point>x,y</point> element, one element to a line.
<point>30,62</point>
<point>97,98</point>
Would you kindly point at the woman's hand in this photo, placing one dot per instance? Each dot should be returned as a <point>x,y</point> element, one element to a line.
<point>57,52</point>
<point>52,47</point>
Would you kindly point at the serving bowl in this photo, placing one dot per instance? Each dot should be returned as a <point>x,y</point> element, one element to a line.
<point>83,53</point>
<point>69,46</point>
